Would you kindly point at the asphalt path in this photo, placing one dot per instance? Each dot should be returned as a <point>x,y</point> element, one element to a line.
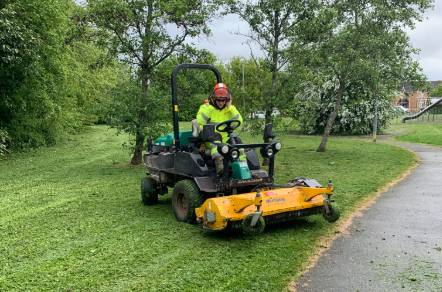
<point>396,245</point>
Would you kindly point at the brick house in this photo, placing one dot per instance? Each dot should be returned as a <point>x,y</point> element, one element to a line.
<point>414,100</point>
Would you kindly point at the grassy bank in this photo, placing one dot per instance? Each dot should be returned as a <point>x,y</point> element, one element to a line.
<point>418,132</point>
<point>71,219</point>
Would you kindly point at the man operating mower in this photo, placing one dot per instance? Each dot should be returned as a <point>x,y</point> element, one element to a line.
<point>218,110</point>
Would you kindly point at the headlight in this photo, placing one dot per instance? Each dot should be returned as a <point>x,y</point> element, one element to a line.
<point>209,216</point>
<point>268,151</point>
<point>223,149</point>
<point>234,153</point>
<point>277,146</point>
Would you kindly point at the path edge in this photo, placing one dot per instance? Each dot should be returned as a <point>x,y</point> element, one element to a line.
<point>324,242</point>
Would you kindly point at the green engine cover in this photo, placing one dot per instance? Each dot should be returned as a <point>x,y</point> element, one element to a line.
<point>167,140</point>
<point>240,170</point>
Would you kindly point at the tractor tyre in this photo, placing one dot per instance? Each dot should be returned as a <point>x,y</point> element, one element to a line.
<point>149,194</point>
<point>333,215</point>
<point>247,229</point>
<point>185,198</point>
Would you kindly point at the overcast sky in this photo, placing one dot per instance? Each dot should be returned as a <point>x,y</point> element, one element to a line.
<point>226,43</point>
<point>427,38</point>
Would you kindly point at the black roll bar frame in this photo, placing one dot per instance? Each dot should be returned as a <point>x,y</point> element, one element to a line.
<point>175,107</point>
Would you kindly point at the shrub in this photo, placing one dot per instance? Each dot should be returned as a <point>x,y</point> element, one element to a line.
<point>354,118</point>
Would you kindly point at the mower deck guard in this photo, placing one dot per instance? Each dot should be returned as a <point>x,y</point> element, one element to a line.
<point>216,213</point>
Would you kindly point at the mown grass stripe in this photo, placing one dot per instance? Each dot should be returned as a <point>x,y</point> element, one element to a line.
<point>74,221</point>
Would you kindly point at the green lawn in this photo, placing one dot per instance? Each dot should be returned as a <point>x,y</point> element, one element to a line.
<point>418,132</point>
<point>71,219</point>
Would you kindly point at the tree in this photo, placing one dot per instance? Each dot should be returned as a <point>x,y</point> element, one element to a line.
<point>90,71</point>
<point>194,86</point>
<point>248,93</point>
<point>354,42</point>
<point>52,73</point>
<point>31,37</point>
<point>436,91</point>
<point>248,80</point>
<point>273,25</point>
<point>146,33</point>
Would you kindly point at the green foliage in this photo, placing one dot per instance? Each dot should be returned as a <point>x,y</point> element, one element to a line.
<point>88,79</point>
<point>72,219</point>
<point>139,28</point>
<point>59,67</point>
<point>436,91</point>
<point>32,32</point>
<point>253,94</point>
<point>362,51</point>
<point>52,76</point>
<point>355,116</point>
<point>120,110</point>
<point>194,86</point>
<point>145,34</point>
<point>272,24</point>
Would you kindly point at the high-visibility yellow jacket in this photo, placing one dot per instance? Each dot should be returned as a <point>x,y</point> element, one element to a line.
<point>208,114</point>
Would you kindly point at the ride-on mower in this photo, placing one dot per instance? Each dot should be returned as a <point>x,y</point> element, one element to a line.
<point>244,196</point>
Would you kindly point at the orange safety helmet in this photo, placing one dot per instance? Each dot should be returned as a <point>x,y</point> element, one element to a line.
<point>220,91</point>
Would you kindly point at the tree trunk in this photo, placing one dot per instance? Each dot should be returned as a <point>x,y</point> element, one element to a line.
<point>137,156</point>
<point>274,65</point>
<point>331,118</point>
<point>375,120</point>
<point>269,103</point>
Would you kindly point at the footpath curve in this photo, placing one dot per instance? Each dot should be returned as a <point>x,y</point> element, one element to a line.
<point>396,244</point>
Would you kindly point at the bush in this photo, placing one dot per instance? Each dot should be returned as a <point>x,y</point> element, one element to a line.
<point>354,118</point>
<point>125,103</point>
<point>52,75</point>
<point>189,106</point>
<point>357,118</point>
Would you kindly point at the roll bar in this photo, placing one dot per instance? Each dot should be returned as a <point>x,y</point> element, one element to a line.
<point>175,108</point>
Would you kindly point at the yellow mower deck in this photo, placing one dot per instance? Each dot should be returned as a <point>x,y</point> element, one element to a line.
<point>216,213</point>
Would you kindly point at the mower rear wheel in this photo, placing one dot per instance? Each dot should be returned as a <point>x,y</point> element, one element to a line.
<point>149,194</point>
<point>332,215</point>
<point>186,197</point>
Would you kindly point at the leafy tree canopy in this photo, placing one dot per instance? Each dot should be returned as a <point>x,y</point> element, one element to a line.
<point>354,42</point>
<point>145,34</point>
<point>436,91</point>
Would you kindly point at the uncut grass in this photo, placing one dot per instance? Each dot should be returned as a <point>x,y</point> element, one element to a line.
<point>419,132</point>
<point>71,218</point>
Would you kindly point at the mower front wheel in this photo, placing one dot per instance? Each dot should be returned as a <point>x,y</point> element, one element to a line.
<point>149,194</point>
<point>186,197</point>
<point>258,228</point>
<point>333,213</point>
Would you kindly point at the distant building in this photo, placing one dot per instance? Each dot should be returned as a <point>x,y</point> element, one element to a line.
<point>415,100</point>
